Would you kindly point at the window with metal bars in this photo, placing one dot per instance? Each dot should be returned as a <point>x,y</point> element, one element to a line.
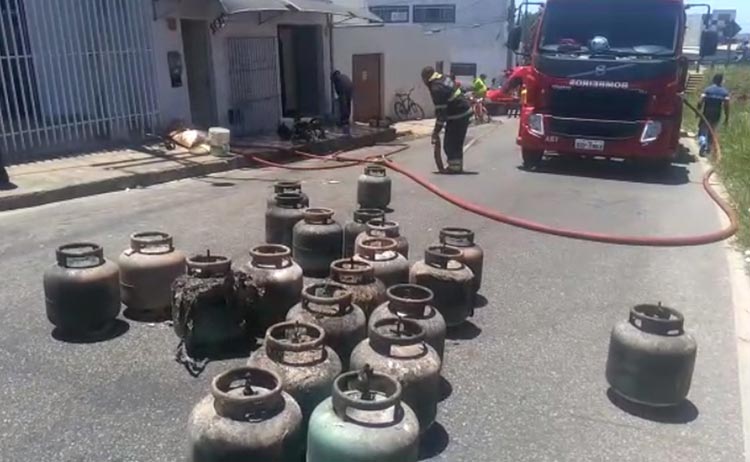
<point>434,13</point>
<point>391,13</point>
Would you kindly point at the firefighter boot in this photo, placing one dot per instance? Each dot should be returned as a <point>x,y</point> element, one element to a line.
<point>455,166</point>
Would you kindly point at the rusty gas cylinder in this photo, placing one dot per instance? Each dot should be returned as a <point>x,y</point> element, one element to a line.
<point>317,242</point>
<point>413,302</point>
<point>471,254</point>
<point>281,218</point>
<point>279,279</point>
<point>450,281</point>
<point>651,357</point>
<point>390,266</point>
<point>147,270</point>
<point>359,277</point>
<point>384,228</point>
<point>365,420</point>
<point>397,347</point>
<point>297,352</point>
<point>374,188</point>
<point>287,186</point>
<point>358,225</point>
<point>82,290</point>
<point>246,417</point>
<point>330,306</point>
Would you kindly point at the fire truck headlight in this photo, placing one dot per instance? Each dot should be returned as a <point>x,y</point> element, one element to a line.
<point>651,131</point>
<point>536,124</point>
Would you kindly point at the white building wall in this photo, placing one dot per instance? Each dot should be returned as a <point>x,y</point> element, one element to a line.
<point>694,25</point>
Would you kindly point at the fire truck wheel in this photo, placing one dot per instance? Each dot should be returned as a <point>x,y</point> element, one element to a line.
<point>531,159</point>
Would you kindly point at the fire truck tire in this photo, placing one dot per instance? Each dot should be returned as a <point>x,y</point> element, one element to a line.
<point>531,159</point>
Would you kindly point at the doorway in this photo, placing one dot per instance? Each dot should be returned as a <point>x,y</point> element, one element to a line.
<point>368,87</point>
<point>300,59</point>
<point>195,42</point>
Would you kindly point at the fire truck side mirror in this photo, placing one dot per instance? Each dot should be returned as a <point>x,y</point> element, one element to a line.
<point>709,43</point>
<point>514,38</point>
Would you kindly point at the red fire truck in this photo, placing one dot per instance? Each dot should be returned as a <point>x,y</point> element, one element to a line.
<point>606,79</point>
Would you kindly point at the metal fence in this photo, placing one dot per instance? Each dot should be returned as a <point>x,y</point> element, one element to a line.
<point>74,74</point>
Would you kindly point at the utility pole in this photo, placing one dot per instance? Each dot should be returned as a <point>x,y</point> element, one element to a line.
<point>510,18</point>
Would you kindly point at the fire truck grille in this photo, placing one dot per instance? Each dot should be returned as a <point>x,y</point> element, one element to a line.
<point>594,103</point>
<point>588,128</point>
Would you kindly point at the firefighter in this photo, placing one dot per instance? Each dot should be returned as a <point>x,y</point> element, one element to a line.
<point>479,86</point>
<point>344,88</point>
<point>452,111</point>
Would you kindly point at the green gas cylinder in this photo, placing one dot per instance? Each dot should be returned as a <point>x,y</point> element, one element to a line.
<point>364,420</point>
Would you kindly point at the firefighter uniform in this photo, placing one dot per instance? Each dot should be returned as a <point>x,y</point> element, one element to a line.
<point>453,111</point>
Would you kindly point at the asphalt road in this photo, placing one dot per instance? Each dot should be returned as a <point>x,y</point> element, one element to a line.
<point>527,374</point>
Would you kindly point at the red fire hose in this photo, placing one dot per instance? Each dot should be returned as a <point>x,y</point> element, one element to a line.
<point>669,241</point>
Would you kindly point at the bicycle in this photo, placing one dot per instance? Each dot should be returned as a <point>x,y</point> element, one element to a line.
<point>406,108</point>
<point>481,115</point>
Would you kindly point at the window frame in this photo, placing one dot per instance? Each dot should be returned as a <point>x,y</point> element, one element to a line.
<point>446,6</point>
<point>390,9</point>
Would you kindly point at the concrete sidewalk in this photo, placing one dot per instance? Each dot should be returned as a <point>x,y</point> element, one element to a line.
<point>100,172</point>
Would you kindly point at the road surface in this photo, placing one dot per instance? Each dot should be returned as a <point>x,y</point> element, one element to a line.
<point>527,373</point>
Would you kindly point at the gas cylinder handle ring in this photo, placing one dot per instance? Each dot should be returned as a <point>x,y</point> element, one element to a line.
<point>383,227</point>
<point>342,399</point>
<point>275,334</point>
<point>287,186</point>
<point>441,255</point>
<point>209,265</point>
<point>373,246</point>
<point>402,332</point>
<point>288,200</point>
<point>457,237</point>
<point>139,241</point>
<point>271,254</point>
<point>350,271</point>
<point>79,251</point>
<point>657,319</point>
<point>374,170</point>
<point>408,298</point>
<point>237,405</point>
<point>318,215</point>
<point>342,299</point>
<point>367,214</point>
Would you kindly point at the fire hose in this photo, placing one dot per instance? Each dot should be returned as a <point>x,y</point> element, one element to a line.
<point>664,241</point>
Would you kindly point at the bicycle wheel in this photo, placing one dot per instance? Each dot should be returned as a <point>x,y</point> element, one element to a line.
<point>400,110</point>
<point>416,111</point>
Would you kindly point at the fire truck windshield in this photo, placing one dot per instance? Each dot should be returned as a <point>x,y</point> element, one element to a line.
<point>621,28</point>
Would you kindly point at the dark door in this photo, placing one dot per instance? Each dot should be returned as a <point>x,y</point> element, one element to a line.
<point>198,69</point>
<point>368,88</point>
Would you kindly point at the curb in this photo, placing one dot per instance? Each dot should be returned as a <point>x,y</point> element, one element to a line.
<point>34,198</point>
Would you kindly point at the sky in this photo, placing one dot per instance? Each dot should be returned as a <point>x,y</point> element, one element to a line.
<point>742,7</point>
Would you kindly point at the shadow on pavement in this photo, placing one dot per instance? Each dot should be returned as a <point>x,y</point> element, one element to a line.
<point>117,329</point>
<point>8,186</point>
<point>446,389</point>
<point>434,442</point>
<point>616,170</point>
<point>464,331</point>
<point>149,317</point>
<point>480,301</point>
<point>684,412</point>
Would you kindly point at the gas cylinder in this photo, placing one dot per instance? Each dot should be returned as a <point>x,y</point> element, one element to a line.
<point>317,242</point>
<point>364,420</point>
<point>296,351</point>
<point>281,218</point>
<point>389,266</point>
<point>374,188</point>
<point>279,279</point>
<point>413,302</point>
<point>384,228</point>
<point>359,277</point>
<point>209,308</point>
<point>471,254</point>
<point>246,417</point>
<point>288,186</point>
<point>397,347</point>
<point>358,225</point>
<point>450,281</point>
<point>147,270</point>
<point>651,357</point>
<point>330,306</point>
<point>82,290</point>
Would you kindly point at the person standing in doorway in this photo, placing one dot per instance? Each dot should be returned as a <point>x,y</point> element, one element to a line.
<point>344,88</point>
<point>714,100</point>
<point>452,111</point>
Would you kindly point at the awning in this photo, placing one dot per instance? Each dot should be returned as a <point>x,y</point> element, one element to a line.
<point>302,6</point>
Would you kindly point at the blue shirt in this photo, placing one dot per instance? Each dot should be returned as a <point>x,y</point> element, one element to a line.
<point>713,101</point>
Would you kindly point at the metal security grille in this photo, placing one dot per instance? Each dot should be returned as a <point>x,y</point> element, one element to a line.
<point>73,74</point>
<point>254,84</point>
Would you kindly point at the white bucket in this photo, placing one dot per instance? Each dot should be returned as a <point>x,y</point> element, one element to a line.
<point>218,139</point>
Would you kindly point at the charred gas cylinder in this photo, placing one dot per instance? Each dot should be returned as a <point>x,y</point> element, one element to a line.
<point>82,290</point>
<point>390,266</point>
<point>359,277</point>
<point>449,280</point>
<point>471,254</point>
<point>397,347</point>
<point>281,218</point>
<point>317,242</point>
<point>413,302</point>
<point>374,188</point>
<point>147,270</point>
<point>383,228</point>
<point>357,226</point>
<point>279,279</point>
<point>651,357</point>
<point>363,421</point>
<point>330,306</point>
<point>282,187</point>
<point>296,351</point>
<point>209,304</point>
<point>246,417</point>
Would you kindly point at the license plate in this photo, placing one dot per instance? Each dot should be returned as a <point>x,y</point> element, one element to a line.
<point>590,145</point>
